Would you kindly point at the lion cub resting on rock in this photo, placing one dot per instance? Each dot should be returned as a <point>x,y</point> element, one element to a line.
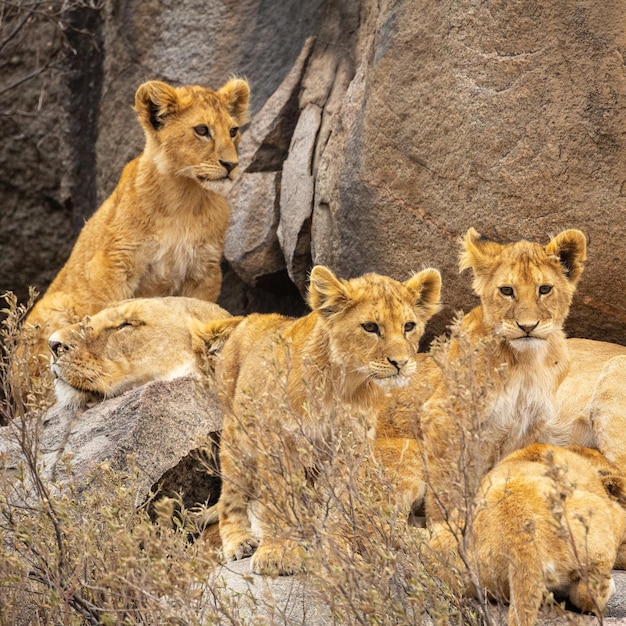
<point>161,231</point>
<point>545,519</point>
<point>131,343</point>
<point>297,392</point>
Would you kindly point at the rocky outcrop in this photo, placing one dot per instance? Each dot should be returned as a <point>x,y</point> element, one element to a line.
<point>381,132</point>
<point>444,116</point>
<point>156,428</point>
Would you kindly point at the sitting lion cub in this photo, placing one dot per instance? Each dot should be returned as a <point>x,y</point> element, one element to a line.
<point>162,229</point>
<point>133,342</point>
<point>287,382</point>
<point>503,366</point>
<point>545,519</point>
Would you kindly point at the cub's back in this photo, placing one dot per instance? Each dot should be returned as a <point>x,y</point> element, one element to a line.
<point>250,343</point>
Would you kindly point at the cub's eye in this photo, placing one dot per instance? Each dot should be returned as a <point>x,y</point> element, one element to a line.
<point>234,131</point>
<point>506,291</point>
<point>202,130</point>
<point>545,289</point>
<point>370,327</point>
<point>409,326</point>
<point>124,324</point>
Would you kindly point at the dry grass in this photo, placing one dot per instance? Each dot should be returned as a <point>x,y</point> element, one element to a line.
<point>87,550</point>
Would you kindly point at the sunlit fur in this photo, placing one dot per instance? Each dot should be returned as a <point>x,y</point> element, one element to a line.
<point>591,401</point>
<point>129,344</point>
<point>284,379</point>
<point>161,231</point>
<point>546,518</point>
<point>521,365</point>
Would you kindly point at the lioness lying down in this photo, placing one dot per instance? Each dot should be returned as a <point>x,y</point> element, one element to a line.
<point>298,392</point>
<point>546,518</point>
<point>131,343</point>
<point>161,231</point>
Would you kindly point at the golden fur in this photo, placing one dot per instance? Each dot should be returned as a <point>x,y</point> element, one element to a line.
<point>546,518</point>
<point>128,344</point>
<point>284,381</point>
<point>510,355</point>
<point>592,398</point>
<point>162,229</point>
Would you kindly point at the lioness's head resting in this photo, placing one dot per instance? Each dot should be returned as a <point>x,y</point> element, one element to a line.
<point>374,323</point>
<point>194,131</point>
<point>525,289</point>
<point>131,343</point>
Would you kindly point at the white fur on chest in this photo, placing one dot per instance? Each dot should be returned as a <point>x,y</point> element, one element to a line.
<point>524,406</point>
<point>178,256</point>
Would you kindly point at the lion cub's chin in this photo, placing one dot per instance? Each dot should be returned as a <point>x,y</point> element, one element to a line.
<point>392,382</point>
<point>527,344</point>
<point>222,186</point>
<point>71,398</point>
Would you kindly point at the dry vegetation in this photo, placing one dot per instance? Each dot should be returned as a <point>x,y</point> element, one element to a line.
<point>85,550</point>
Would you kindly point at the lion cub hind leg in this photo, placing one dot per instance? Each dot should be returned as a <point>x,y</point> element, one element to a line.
<point>526,592</point>
<point>582,597</point>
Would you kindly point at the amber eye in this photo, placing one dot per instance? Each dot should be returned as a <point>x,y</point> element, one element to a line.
<point>506,291</point>
<point>234,131</point>
<point>409,326</point>
<point>370,327</point>
<point>545,289</point>
<point>202,130</point>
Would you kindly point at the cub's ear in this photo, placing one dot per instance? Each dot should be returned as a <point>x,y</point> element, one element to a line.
<point>570,248</point>
<point>477,252</point>
<point>327,293</point>
<point>615,486</point>
<point>210,337</point>
<point>236,95</point>
<point>154,101</point>
<point>426,287</point>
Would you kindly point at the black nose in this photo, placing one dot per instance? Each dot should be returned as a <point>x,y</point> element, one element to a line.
<point>229,165</point>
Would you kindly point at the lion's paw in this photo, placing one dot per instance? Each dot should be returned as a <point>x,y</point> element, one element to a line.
<point>279,558</point>
<point>239,547</point>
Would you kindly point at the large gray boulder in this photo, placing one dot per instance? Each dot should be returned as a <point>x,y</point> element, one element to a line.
<point>153,428</point>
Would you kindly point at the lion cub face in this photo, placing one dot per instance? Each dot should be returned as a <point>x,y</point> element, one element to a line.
<point>194,131</point>
<point>525,289</point>
<point>374,323</point>
<point>127,345</point>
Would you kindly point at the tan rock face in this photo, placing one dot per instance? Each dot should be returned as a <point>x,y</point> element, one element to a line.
<point>509,119</point>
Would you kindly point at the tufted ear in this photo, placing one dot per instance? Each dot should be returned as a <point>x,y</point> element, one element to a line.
<point>210,337</point>
<point>154,101</point>
<point>327,293</point>
<point>236,94</point>
<point>570,248</point>
<point>477,252</point>
<point>426,286</point>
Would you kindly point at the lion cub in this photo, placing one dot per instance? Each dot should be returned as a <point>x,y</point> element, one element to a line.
<point>503,365</point>
<point>545,519</point>
<point>161,231</point>
<point>287,385</point>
